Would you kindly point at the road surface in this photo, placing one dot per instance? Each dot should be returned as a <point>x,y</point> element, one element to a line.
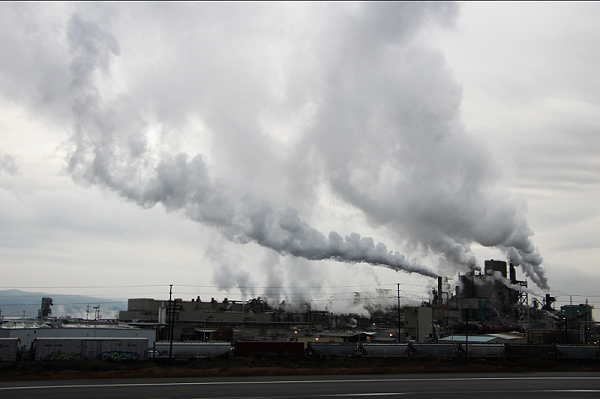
<point>488,386</point>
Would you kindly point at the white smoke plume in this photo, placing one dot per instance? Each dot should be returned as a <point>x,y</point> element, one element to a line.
<point>264,109</point>
<point>104,153</point>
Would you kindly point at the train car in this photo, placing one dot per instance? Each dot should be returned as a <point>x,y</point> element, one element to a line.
<point>87,348</point>
<point>489,351</point>
<point>191,350</point>
<point>268,348</point>
<point>531,351</point>
<point>435,350</point>
<point>385,349</point>
<point>9,349</point>
<point>333,349</point>
<point>577,352</point>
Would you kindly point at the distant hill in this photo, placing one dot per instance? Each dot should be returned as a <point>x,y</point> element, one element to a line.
<point>14,302</point>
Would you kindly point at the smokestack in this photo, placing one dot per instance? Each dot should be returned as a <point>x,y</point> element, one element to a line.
<point>45,310</point>
<point>513,274</point>
<point>440,299</point>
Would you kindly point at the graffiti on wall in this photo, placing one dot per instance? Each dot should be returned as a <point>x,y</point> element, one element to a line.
<point>64,356</point>
<point>119,356</point>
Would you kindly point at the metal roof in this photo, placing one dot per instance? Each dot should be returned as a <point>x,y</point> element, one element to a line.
<point>472,338</point>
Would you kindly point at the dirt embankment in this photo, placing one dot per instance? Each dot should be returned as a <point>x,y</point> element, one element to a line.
<point>276,365</point>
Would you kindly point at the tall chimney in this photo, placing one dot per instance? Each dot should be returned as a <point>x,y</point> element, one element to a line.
<point>513,274</point>
<point>440,299</point>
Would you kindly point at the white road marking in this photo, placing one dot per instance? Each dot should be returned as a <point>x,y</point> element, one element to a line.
<point>158,384</point>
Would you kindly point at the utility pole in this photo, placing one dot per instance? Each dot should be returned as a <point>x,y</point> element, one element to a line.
<point>96,317</point>
<point>467,335</point>
<point>171,322</point>
<point>398,313</point>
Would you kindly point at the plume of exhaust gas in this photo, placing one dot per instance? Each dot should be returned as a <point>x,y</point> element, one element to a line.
<point>103,153</point>
<point>358,107</point>
<point>498,276</point>
<point>521,251</point>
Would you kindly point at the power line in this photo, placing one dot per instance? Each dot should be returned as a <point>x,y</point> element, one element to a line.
<point>83,286</point>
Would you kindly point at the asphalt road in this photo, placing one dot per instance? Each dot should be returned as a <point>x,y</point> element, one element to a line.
<point>524,385</point>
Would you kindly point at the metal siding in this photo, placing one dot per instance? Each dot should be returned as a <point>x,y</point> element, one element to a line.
<point>9,348</point>
<point>338,349</point>
<point>385,349</point>
<point>185,350</point>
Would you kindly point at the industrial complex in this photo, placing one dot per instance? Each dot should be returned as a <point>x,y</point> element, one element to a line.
<point>483,307</point>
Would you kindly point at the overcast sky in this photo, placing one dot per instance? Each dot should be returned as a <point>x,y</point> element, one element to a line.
<point>299,151</point>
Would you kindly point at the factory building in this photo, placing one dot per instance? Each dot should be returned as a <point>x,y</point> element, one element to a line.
<point>418,324</point>
<point>45,326</point>
<point>494,296</point>
<point>29,329</point>
<point>495,301</point>
<point>492,301</point>
<point>249,320</point>
<point>577,320</point>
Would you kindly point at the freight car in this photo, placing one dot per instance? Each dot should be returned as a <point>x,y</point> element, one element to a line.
<point>332,349</point>
<point>190,350</point>
<point>483,351</point>
<point>90,348</point>
<point>435,350</point>
<point>385,349</point>
<point>269,348</point>
<point>9,349</point>
<point>532,351</point>
<point>577,352</point>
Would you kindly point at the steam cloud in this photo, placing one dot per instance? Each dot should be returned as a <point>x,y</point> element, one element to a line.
<point>292,101</point>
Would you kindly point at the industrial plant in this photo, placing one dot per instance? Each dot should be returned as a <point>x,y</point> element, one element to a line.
<point>493,303</point>
<point>483,307</point>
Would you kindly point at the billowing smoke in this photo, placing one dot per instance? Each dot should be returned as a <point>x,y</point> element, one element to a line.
<point>105,153</point>
<point>251,118</point>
